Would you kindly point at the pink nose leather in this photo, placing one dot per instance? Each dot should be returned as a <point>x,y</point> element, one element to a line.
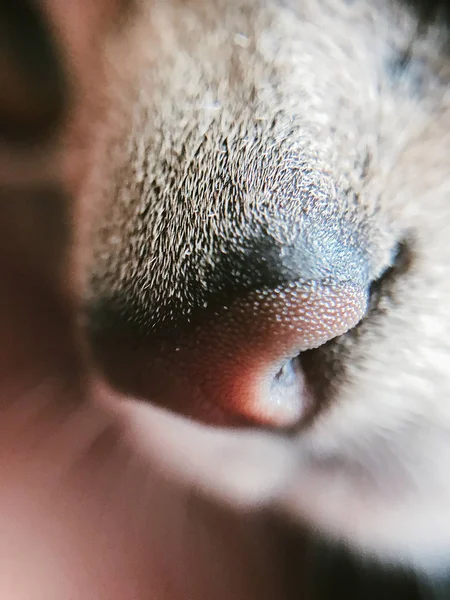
<point>238,364</point>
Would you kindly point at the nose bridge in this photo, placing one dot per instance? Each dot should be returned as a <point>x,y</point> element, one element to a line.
<point>298,246</point>
<point>283,225</point>
<point>267,217</point>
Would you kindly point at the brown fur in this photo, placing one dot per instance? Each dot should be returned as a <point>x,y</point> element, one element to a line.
<point>191,134</point>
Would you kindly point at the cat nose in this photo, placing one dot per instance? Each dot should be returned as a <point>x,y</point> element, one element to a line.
<point>236,363</point>
<point>219,340</point>
<point>239,363</point>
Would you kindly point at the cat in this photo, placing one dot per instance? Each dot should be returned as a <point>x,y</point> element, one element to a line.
<point>264,215</point>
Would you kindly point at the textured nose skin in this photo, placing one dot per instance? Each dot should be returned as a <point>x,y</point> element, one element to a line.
<point>238,365</point>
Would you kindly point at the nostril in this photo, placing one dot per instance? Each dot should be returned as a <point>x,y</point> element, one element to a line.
<point>278,325</point>
<point>288,388</point>
<point>288,373</point>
